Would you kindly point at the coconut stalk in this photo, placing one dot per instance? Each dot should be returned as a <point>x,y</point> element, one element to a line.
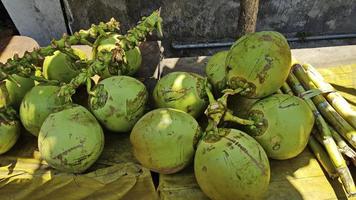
<point>218,112</point>
<point>327,139</point>
<point>8,114</point>
<point>334,98</point>
<point>25,66</point>
<point>322,156</point>
<point>115,57</point>
<point>330,114</point>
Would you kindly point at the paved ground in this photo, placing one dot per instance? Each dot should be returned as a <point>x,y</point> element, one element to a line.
<point>327,56</point>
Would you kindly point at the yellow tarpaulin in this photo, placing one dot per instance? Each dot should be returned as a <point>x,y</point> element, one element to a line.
<point>116,175</point>
<point>343,79</point>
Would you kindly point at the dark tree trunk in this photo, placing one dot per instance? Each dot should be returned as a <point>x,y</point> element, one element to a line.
<point>247,17</point>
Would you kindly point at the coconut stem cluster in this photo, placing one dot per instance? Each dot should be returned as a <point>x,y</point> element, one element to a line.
<point>25,66</point>
<point>114,57</point>
<point>217,110</point>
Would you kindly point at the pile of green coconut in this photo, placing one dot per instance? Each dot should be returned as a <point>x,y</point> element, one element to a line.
<point>246,120</point>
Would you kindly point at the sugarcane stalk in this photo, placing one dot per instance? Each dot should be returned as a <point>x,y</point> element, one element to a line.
<point>322,157</point>
<point>343,146</point>
<point>327,139</point>
<point>286,89</point>
<point>25,66</point>
<point>298,89</point>
<point>334,98</point>
<point>341,126</point>
<point>115,57</point>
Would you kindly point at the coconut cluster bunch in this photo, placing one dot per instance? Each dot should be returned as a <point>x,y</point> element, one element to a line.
<point>260,104</point>
<point>51,93</point>
<point>254,104</point>
<point>249,121</point>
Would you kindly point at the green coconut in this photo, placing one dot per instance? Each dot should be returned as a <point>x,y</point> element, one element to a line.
<point>118,102</point>
<point>133,56</point>
<point>231,165</point>
<point>11,94</point>
<point>215,70</point>
<point>183,91</point>
<point>60,66</point>
<point>134,60</point>
<point>258,63</point>
<point>9,133</point>
<point>164,140</point>
<point>283,124</point>
<point>71,140</point>
<point>37,104</point>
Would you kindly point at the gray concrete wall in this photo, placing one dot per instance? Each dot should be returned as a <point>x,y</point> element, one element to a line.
<point>315,17</point>
<point>187,21</point>
<point>211,19</point>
